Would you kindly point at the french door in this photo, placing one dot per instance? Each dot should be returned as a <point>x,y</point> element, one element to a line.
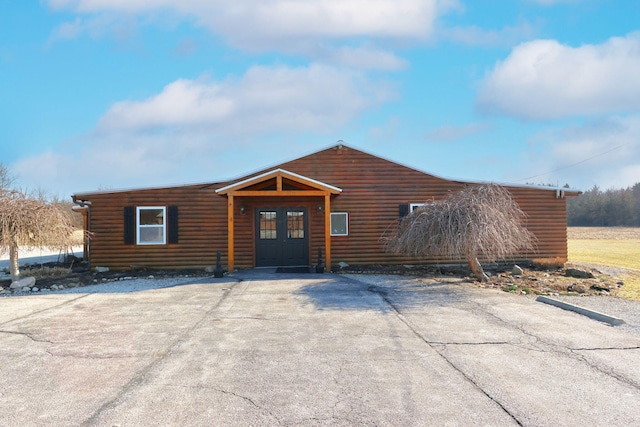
<point>282,237</point>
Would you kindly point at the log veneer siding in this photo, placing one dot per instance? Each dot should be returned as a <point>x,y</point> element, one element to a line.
<point>373,191</point>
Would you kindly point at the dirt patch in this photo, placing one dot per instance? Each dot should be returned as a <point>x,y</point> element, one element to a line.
<point>535,279</point>
<point>73,274</point>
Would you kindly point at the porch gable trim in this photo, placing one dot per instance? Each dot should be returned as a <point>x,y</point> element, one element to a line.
<point>279,174</point>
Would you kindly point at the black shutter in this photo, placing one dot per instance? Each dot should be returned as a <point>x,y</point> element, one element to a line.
<point>172,224</point>
<point>129,225</point>
<point>404,210</point>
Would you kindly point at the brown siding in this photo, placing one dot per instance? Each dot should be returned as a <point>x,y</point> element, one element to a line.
<point>373,189</point>
<point>202,228</point>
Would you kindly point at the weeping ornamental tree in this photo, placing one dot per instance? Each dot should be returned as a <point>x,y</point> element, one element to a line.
<point>481,222</point>
<point>27,222</point>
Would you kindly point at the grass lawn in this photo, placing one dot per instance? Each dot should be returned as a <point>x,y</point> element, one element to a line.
<point>615,251</point>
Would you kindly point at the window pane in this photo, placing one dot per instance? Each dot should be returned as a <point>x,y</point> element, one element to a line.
<point>151,234</point>
<point>151,216</point>
<point>268,225</point>
<point>339,224</point>
<point>151,225</point>
<point>295,225</point>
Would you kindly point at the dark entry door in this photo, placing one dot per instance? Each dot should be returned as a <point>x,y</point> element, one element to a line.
<point>282,237</point>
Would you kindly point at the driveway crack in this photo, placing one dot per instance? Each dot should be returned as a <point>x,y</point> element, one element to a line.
<point>28,335</point>
<point>142,373</point>
<point>572,352</point>
<point>470,343</point>
<point>605,348</point>
<point>248,399</point>
<point>45,309</point>
<point>436,348</point>
<point>620,377</point>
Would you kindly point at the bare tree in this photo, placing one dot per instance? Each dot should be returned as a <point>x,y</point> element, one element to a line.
<point>6,179</point>
<point>477,222</point>
<point>32,223</point>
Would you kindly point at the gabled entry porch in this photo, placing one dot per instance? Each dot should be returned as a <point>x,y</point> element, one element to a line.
<point>282,204</point>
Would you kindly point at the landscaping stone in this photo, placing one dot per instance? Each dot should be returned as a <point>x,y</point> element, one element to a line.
<point>517,270</point>
<point>577,287</point>
<point>579,274</point>
<point>22,283</point>
<point>603,287</point>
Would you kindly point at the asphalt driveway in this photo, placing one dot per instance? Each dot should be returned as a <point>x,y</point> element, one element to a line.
<point>277,349</point>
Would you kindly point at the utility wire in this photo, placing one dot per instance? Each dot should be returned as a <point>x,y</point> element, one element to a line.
<point>576,163</point>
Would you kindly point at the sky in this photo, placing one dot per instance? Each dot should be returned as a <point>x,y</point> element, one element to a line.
<point>100,95</point>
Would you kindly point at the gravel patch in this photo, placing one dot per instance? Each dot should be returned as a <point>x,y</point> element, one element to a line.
<point>133,285</point>
<point>629,311</point>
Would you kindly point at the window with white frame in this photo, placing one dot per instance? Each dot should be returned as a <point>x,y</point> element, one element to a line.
<point>339,224</point>
<point>414,206</point>
<point>151,225</point>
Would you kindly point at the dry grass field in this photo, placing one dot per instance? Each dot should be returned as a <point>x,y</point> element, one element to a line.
<point>609,246</point>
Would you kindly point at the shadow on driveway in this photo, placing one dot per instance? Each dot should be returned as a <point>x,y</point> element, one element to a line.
<point>344,293</point>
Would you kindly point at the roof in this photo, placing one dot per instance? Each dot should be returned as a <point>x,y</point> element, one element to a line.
<point>240,181</point>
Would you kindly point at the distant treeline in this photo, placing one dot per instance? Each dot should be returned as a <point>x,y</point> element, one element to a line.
<point>605,208</point>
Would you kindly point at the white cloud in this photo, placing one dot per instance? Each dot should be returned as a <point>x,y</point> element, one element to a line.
<point>476,36</point>
<point>203,130</point>
<point>361,58</point>
<point>323,30</point>
<point>601,152</point>
<point>253,22</point>
<point>451,132</point>
<point>123,161</point>
<point>68,30</point>
<point>264,99</point>
<point>181,103</point>
<point>544,79</point>
<point>119,27</point>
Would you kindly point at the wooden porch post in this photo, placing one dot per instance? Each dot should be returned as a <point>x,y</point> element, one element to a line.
<point>327,230</point>
<point>230,235</point>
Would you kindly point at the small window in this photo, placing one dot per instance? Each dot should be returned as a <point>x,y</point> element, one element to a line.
<point>151,225</point>
<point>339,224</point>
<point>414,206</point>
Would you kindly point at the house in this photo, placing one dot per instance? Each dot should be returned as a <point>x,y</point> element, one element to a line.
<point>338,201</point>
